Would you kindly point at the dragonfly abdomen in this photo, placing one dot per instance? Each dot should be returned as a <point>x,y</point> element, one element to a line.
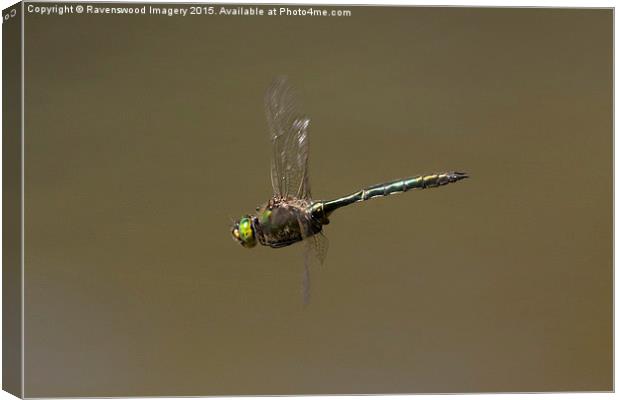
<point>419,182</point>
<point>388,188</point>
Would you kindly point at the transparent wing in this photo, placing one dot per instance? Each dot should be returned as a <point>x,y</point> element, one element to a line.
<point>305,276</point>
<point>320,246</point>
<point>288,130</point>
<point>315,251</point>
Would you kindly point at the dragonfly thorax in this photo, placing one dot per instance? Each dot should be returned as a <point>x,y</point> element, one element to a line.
<point>283,221</point>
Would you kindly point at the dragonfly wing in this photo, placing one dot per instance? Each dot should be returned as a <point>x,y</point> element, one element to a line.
<point>320,246</point>
<point>288,130</point>
<point>305,277</point>
<point>315,251</point>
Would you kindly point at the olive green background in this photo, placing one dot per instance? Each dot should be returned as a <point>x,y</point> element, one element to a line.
<point>145,135</point>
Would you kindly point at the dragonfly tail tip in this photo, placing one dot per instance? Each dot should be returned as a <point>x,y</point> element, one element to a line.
<point>460,175</point>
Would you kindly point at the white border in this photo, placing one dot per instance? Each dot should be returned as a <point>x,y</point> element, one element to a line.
<point>474,3</point>
<point>23,235</point>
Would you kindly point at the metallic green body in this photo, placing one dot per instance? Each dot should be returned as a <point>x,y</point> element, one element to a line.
<point>321,210</point>
<point>284,221</point>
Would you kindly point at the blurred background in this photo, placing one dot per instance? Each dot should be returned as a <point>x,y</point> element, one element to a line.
<point>146,135</point>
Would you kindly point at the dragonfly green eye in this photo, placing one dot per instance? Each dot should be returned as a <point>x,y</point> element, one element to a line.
<point>243,232</point>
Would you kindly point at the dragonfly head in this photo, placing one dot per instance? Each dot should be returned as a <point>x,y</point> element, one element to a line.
<point>243,232</point>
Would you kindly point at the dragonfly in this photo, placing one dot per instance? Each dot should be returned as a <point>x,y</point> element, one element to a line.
<point>291,215</point>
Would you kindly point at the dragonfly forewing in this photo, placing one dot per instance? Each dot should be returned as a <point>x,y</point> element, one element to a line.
<point>288,129</point>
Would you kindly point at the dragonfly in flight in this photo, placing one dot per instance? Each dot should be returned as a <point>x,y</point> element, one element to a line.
<point>291,215</point>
